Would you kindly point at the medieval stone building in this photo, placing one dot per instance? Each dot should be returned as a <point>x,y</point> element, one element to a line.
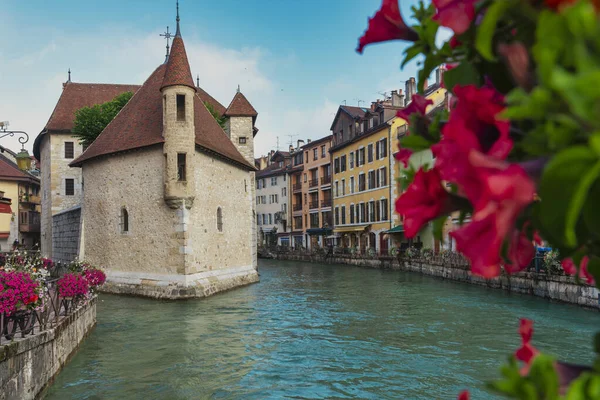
<point>167,194</point>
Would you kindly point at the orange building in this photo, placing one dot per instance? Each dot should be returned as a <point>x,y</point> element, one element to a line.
<point>311,194</point>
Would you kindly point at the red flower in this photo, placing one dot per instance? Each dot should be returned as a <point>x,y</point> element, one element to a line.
<point>537,239</point>
<point>422,201</point>
<point>464,395</point>
<point>32,299</point>
<point>569,266</point>
<point>454,42</point>
<point>526,352</point>
<point>455,14</point>
<point>583,271</point>
<point>498,192</point>
<point>526,330</point>
<point>387,24</point>
<point>520,252</point>
<point>417,105</point>
<point>403,155</point>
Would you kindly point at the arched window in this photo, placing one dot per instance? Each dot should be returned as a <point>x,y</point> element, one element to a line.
<point>124,220</point>
<point>220,219</point>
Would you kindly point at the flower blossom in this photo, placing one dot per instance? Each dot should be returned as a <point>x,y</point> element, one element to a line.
<point>422,201</point>
<point>403,155</point>
<point>455,14</point>
<point>570,269</point>
<point>386,24</point>
<point>464,395</point>
<point>418,105</point>
<point>526,352</point>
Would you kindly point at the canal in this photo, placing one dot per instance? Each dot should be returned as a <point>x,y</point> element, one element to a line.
<point>310,331</point>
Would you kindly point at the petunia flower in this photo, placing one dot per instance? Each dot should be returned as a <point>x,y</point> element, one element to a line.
<point>520,252</point>
<point>403,155</point>
<point>526,352</point>
<point>422,201</point>
<point>418,105</point>
<point>464,395</point>
<point>455,14</point>
<point>386,24</point>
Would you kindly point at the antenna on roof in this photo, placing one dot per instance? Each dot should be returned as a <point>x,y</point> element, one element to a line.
<point>344,102</point>
<point>69,80</point>
<point>198,80</point>
<point>277,143</point>
<point>167,35</point>
<point>177,33</point>
<point>292,139</point>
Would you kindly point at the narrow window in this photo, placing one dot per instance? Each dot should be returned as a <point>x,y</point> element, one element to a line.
<point>181,166</point>
<point>220,219</point>
<point>69,150</point>
<point>70,187</point>
<point>181,107</point>
<point>124,220</point>
<point>164,106</point>
<point>242,140</point>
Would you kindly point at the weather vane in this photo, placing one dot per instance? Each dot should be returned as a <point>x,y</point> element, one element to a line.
<point>167,35</point>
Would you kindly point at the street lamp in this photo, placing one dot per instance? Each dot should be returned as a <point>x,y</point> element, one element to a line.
<point>23,158</point>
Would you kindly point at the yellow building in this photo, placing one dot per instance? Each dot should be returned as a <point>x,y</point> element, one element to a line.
<point>398,129</point>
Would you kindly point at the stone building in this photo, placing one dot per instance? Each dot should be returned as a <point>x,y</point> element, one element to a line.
<point>168,207</point>
<point>56,147</point>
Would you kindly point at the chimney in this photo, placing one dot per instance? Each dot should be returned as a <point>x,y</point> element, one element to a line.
<point>373,105</point>
<point>425,84</point>
<point>411,89</point>
<point>439,74</point>
<point>397,99</point>
<point>402,98</point>
<point>300,143</point>
<point>308,140</point>
<point>291,149</point>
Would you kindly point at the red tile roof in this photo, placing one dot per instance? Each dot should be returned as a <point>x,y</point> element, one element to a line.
<point>178,68</point>
<point>140,124</point>
<point>78,95</point>
<point>10,171</point>
<point>220,108</point>
<point>240,107</point>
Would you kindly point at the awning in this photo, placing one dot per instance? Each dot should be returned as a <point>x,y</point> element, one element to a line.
<point>5,208</point>
<point>319,231</point>
<point>4,235</point>
<point>358,228</point>
<point>396,229</point>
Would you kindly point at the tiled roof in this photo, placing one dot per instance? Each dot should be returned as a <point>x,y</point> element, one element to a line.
<point>240,107</point>
<point>220,108</point>
<point>356,112</point>
<point>78,95</point>
<point>10,171</point>
<point>178,68</point>
<point>273,169</point>
<point>140,124</point>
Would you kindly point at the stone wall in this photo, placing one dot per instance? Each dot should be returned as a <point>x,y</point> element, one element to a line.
<point>553,287</point>
<point>66,228</point>
<point>28,366</point>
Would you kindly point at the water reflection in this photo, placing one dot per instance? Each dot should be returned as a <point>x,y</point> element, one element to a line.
<point>316,331</point>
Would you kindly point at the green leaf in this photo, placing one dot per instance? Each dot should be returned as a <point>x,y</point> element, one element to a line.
<point>544,377</point>
<point>411,53</point>
<point>485,31</point>
<point>463,74</point>
<point>415,142</point>
<point>591,211</point>
<point>577,202</point>
<point>593,267</point>
<point>438,227</point>
<point>595,143</point>
<point>559,185</point>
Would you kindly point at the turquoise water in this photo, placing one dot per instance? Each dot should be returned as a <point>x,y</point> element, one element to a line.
<point>310,331</point>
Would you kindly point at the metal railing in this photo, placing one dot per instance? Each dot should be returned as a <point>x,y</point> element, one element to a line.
<point>326,180</point>
<point>313,204</point>
<point>326,203</point>
<point>313,182</point>
<point>297,187</point>
<point>297,207</point>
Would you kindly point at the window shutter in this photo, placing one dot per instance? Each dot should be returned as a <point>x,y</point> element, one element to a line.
<point>384,148</point>
<point>377,151</point>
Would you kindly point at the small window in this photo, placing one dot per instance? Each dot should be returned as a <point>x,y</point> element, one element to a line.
<point>70,187</point>
<point>242,140</point>
<point>69,150</point>
<point>220,219</point>
<point>181,107</point>
<point>181,166</point>
<point>124,220</point>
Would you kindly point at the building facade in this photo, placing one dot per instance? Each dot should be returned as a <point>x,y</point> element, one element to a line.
<point>55,147</point>
<point>273,201</point>
<point>311,189</point>
<point>20,205</point>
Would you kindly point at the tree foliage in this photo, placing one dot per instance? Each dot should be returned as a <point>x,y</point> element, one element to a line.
<point>219,118</point>
<point>91,121</point>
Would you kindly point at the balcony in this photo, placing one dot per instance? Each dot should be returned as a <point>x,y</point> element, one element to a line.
<point>326,203</point>
<point>313,204</point>
<point>29,198</point>
<point>34,228</point>
<point>297,207</point>
<point>326,180</point>
<point>29,221</point>
<point>313,182</point>
<point>296,187</point>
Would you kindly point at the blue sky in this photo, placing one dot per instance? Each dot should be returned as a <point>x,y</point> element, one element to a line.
<point>294,60</point>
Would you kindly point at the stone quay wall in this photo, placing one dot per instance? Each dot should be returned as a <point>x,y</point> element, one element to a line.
<point>66,229</point>
<point>553,287</point>
<point>28,366</point>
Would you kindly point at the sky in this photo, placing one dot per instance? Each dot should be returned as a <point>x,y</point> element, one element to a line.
<point>294,60</point>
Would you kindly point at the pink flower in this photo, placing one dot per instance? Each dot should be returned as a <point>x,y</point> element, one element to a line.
<point>570,269</point>
<point>526,352</point>
<point>387,24</point>
<point>422,201</point>
<point>520,252</point>
<point>464,395</point>
<point>403,155</point>
<point>71,285</point>
<point>569,266</point>
<point>454,42</point>
<point>417,105</point>
<point>95,277</point>
<point>537,239</point>
<point>455,14</point>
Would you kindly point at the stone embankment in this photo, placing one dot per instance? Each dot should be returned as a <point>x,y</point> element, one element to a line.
<point>29,365</point>
<point>553,287</point>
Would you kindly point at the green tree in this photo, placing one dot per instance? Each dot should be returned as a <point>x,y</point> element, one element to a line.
<point>91,121</point>
<point>220,119</point>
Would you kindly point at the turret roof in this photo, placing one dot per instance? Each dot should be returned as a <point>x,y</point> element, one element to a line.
<point>240,107</point>
<point>178,68</point>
